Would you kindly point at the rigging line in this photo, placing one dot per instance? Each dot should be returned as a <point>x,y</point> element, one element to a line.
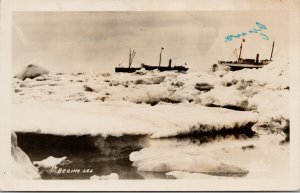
<point>139,62</point>
<point>124,59</point>
<point>276,52</point>
<point>156,57</point>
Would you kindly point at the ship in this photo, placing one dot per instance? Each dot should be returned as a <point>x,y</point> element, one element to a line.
<point>128,69</point>
<point>242,63</point>
<point>166,68</point>
<point>160,68</point>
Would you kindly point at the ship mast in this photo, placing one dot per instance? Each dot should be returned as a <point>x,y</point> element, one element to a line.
<point>160,56</point>
<point>241,50</point>
<point>272,51</point>
<point>131,56</point>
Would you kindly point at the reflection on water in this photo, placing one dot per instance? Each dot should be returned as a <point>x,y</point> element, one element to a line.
<point>95,155</point>
<point>215,135</point>
<point>101,155</point>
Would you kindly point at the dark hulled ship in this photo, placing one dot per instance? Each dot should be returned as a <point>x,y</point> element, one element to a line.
<point>242,63</point>
<point>128,69</point>
<point>165,68</point>
<point>160,68</point>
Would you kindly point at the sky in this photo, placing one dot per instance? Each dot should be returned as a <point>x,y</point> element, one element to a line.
<point>100,41</point>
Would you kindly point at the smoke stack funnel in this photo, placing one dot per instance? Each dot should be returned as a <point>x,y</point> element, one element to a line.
<point>257,58</point>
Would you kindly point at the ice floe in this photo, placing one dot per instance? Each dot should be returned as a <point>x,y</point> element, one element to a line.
<point>112,176</point>
<point>22,167</point>
<point>32,71</point>
<point>222,158</point>
<point>120,118</point>
<point>50,162</point>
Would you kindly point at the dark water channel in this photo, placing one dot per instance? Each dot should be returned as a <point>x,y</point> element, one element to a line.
<point>96,155</point>
<point>91,155</point>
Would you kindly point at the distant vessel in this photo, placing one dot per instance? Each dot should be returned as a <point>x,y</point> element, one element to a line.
<point>128,69</point>
<point>165,68</point>
<point>242,63</point>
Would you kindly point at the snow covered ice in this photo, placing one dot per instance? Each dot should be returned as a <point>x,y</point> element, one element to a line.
<point>112,176</point>
<point>49,163</point>
<point>120,118</point>
<point>22,167</point>
<point>185,158</point>
<point>166,107</point>
<point>31,71</point>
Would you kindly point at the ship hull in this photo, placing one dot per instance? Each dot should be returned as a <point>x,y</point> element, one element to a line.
<point>240,66</point>
<point>126,70</point>
<point>166,68</point>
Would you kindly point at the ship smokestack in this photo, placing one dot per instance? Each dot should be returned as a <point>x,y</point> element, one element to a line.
<point>257,58</point>
<point>160,56</point>
<point>170,63</point>
<point>272,51</point>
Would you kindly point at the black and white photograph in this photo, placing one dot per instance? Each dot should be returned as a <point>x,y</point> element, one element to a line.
<point>165,95</point>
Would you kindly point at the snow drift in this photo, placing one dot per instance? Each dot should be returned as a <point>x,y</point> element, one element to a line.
<point>49,163</point>
<point>22,167</point>
<point>31,71</point>
<point>227,97</point>
<point>184,158</point>
<point>189,175</point>
<point>112,176</point>
<point>124,118</point>
<point>189,158</point>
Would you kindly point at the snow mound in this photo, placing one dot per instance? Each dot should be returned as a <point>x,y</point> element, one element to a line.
<point>273,110</point>
<point>120,118</point>
<point>272,76</point>
<point>22,167</point>
<point>190,175</point>
<point>142,71</point>
<point>49,163</point>
<point>183,158</point>
<point>221,158</point>
<point>152,80</point>
<point>153,94</point>
<point>112,176</point>
<point>31,71</point>
<point>224,97</point>
<point>203,87</point>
